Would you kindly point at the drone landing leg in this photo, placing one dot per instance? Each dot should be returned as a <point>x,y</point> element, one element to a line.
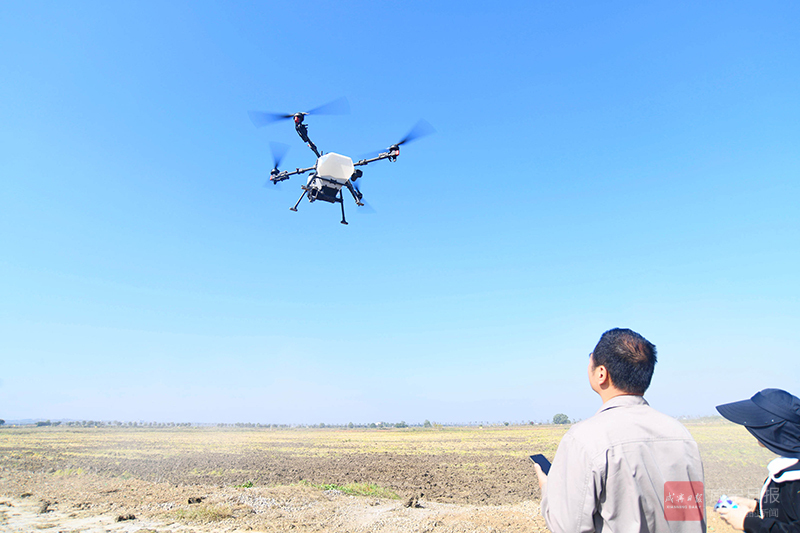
<point>341,201</point>
<point>298,201</point>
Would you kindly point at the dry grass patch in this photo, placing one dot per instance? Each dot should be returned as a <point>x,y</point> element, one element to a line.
<point>204,513</point>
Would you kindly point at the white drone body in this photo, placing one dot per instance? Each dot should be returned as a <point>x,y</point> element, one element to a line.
<point>333,171</point>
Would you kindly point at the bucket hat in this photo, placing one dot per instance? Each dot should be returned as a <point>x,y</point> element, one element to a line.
<point>772,416</point>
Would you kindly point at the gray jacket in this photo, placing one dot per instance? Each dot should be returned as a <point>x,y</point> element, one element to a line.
<point>628,468</point>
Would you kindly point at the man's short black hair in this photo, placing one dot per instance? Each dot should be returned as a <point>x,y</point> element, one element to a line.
<point>629,358</point>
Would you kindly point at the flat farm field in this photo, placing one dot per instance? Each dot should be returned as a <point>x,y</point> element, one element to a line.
<point>259,479</point>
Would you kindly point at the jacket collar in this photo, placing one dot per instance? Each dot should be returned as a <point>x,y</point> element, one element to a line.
<point>780,470</point>
<point>784,469</point>
<point>624,400</point>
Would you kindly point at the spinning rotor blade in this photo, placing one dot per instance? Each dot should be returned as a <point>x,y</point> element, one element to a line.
<point>273,186</point>
<point>420,129</point>
<point>339,106</point>
<point>366,208</point>
<point>278,153</point>
<point>263,118</point>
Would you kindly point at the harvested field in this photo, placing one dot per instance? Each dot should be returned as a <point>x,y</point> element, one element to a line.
<point>449,479</point>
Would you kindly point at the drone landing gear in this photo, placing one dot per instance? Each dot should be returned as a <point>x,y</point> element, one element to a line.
<point>336,199</point>
<point>305,190</point>
<point>341,202</point>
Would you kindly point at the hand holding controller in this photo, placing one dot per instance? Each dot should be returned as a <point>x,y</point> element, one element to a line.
<point>725,503</point>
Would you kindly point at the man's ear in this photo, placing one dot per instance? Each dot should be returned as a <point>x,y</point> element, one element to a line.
<point>601,374</point>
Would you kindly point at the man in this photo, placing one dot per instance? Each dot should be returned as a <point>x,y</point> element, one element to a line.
<point>628,468</point>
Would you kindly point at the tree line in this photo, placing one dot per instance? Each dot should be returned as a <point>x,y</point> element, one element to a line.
<point>559,418</point>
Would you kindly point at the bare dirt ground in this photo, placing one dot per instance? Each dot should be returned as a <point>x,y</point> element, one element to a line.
<point>175,480</point>
<point>95,504</point>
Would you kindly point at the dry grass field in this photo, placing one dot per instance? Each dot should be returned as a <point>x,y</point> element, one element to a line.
<point>244,479</point>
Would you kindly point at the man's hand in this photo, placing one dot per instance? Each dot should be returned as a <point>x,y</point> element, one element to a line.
<point>734,517</point>
<point>542,478</point>
<point>747,503</point>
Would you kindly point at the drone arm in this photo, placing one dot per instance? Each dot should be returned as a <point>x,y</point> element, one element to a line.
<point>276,177</point>
<point>390,155</point>
<point>302,131</point>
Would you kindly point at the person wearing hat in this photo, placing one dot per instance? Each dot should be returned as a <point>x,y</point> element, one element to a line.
<point>772,416</point>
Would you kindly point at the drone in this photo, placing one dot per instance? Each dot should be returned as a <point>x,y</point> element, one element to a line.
<point>332,172</point>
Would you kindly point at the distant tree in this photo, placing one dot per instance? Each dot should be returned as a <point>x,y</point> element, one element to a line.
<point>2,421</point>
<point>427,424</point>
<point>401,424</point>
<point>560,418</point>
<point>351,425</point>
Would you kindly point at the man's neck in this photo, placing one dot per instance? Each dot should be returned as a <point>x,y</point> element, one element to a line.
<point>612,392</point>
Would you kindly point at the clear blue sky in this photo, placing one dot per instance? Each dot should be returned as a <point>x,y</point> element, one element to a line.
<point>595,165</point>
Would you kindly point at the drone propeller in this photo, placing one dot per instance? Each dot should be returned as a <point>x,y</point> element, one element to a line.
<point>365,208</point>
<point>273,185</point>
<point>278,153</point>
<point>262,118</point>
<point>340,106</point>
<point>420,129</point>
